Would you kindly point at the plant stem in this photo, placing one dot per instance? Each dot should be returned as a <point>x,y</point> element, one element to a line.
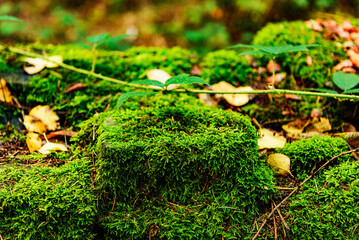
<point>93,58</point>
<point>273,74</point>
<point>270,91</point>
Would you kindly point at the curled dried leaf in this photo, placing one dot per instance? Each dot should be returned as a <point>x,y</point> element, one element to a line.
<point>46,115</point>
<point>5,94</point>
<point>280,163</point>
<point>33,141</point>
<point>50,146</point>
<point>34,124</point>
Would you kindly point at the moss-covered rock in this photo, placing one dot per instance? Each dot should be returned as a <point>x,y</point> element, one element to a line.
<point>308,154</point>
<point>178,167</point>
<point>226,65</point>
<point>47,203</point>
<point>296,33</point>
<point>327,208</point>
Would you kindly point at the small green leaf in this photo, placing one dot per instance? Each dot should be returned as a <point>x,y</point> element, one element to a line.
<point>276,49</point>
<point>184,79</point>
<point>353,91</point>
<point>150,82</point>
<point>345,81</point>
<point>126,96</point>
<point>97,39</point>
<point>113,39</point>
<point>250,52</point>
<point>10,18</point>
<point>82,45</point>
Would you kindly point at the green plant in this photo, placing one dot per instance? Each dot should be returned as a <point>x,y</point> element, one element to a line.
<point>346,81</point>
<point>274,51</point>
<point>97,41</point>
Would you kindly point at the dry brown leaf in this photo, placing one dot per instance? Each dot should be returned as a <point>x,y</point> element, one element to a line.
<point>343,64</point>
<point>162,76</point>
<point>354,57</point>
<point>5,95</point>
<point>75,86</point>
<point>233,99</point>
<point>277,78</point>
<point>67,133</point>
<point>320,125</point>
<point>270,139</point>
<point>280,163</point>
<point>33,141</point>
<point>296,127</point>
<point>33,124</point>
<point>46,115</point>
<point>49,146</point>
<point>353,141</point>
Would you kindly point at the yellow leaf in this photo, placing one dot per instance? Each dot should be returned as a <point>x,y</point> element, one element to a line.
<point>233,99</point>
<point>46,115</point>
<point>49,146</point>
<point>270,139</point>
<point>5,95</point>
<point>162,76</point>
<point>33,124</point>
<point>37,65</point>
<point>33,141</point>
<point>296,127</point>
<point>57,59</point>
<point>280,163</point>
<point>320,125</point>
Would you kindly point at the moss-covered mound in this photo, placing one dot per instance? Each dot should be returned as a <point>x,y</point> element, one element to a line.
<point>178,172</point>
<point>308,154</point>
<point>226,65</point>
<point>328,209</point>
<point>47,203</point>
<point>296,33</point>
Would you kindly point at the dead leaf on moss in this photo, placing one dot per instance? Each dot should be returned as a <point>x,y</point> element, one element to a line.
<point>50,146</point>
<point>354,57</point>
<point>353,142</point>
<point>46,115</point>
<point>67,133</point>
<point>75,86</point>
<point>280,163</point>
<point>270,139</point>
<point>233,99</point>
<point>5,95</point>
<point>33,141</point>
<point>38,64</point>
<point>162,76</point>
<point>33,124</point>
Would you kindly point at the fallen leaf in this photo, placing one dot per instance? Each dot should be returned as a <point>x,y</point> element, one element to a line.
<point>347,127</point>
<point>5,95</point>
<point>67,133</point>
<point>343,64</point>
<point>292,96</point>
<point>46,115</point>
<point>196,70</point>
<point>278,77</point>
<point>270,139</point>
<point>296,127</point>
<point>74,87</point>
<point>34,124</point>
<point>233,99</point>
<point>348,70</point>
<point>347,26</point>
<point>57,59</point>
<point>316,113</point>
<point>162,76</point>
<point>320,124</point>
<point>354,57</point>
<point>49,146</point>
<point>280,163</point>
<point>37,65</point>
<point>353,141</point>
<point>33,141</point>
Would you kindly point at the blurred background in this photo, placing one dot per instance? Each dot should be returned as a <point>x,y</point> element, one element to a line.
<point>201,25</point>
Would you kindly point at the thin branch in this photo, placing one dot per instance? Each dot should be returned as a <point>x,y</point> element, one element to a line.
<point>110,79</point>
<point>296,189</point>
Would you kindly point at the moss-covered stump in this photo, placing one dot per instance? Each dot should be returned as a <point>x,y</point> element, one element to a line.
<point>306,155</point>
<point>178,171</point>
<point>327,208</point>
<point>47,203</point>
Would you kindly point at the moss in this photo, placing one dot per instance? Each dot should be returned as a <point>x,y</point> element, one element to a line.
<point>47,203</point>
<point>226,65</point>
<point>308,154</point>
<point>330,210</point>
<point>187,155</point>
<point>296,33</point>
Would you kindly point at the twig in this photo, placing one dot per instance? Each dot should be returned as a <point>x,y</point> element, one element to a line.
<point>282,218</point>
<point>275,225</point>
<point>110,79</point>
<point>296,189</point>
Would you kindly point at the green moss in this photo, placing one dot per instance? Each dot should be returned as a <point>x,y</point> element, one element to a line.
<point>327,209</point>
<point>307,154</point>
<point>226,65</point>
<point>47,203</point>
<point>188,155</point>
<point>296,33</point>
